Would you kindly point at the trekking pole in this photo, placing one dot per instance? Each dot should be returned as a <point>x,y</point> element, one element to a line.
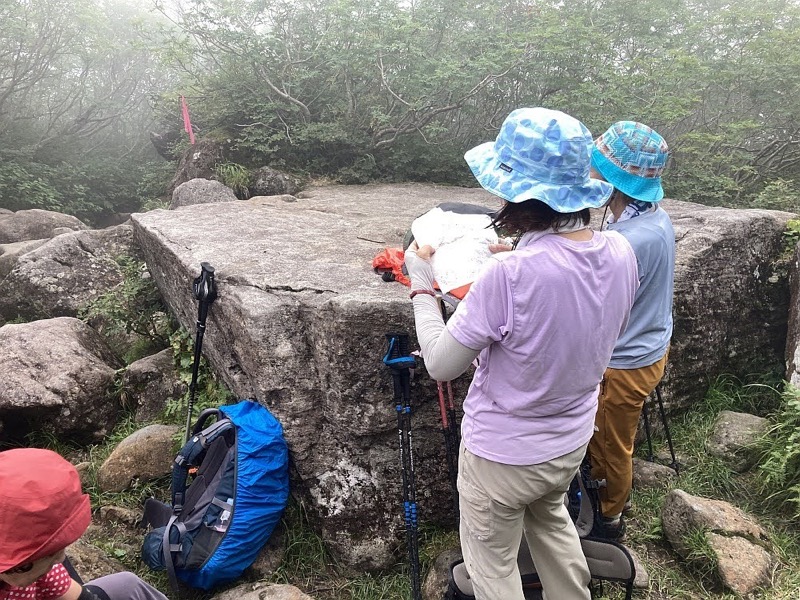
<point>451,435</point>
<point>674,464</point>
<point>646,417</point>
<point>205,291</point>
<point>400,361</point>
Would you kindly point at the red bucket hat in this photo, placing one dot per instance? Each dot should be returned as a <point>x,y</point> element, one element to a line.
<point>42,507</point>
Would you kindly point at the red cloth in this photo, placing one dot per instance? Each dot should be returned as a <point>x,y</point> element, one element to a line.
<point>53,584</point>
<point>187,123</point>
<point>42,507</point>
<point>391,259</point>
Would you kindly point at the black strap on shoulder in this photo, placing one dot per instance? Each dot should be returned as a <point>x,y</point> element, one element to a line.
<point>188,456</point>
<point>166,550</point>
<point>71,570</point>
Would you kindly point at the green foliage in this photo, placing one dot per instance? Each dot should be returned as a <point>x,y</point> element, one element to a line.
<point>134,306</point>
<point>778,194</point>
<point>707,475</point>
<point>779,466</point>
<point>74,112</point>
<point>209,392</point>
<point>387,90</point>
<point>305,558</point>
<point>791,237</point>
<point>155,203</point>
<point>236,177</point>
<point>25,186</point>
<point>701,557</point>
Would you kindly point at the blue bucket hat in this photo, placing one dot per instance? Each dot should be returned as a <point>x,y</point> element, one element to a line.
<point>540,154</point>
<point>631,157</point>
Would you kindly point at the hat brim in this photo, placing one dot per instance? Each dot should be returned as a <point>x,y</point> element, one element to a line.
<point>68,532</point>
<point>646,189</point>
<point>517,187</point>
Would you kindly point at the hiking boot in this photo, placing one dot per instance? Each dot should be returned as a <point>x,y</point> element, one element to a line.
<point>609,529</point>
<point>628,507</point>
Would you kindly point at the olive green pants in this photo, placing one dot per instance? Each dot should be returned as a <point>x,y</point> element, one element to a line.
<point>498,503</point>
<point>622,396</point>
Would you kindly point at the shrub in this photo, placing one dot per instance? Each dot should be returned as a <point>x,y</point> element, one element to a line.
<point>779,466</point>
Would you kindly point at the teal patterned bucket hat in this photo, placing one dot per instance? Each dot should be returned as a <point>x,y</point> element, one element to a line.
<point>540,154</point>
<point>632,157</point>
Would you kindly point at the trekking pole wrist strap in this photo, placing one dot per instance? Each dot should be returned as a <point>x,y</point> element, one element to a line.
<point>417,292</point>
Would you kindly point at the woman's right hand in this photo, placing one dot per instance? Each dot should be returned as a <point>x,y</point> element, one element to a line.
<point>495,248</point>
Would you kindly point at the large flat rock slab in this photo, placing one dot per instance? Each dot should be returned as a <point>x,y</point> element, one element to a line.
<point>301,318</point>
<point>300,324</point>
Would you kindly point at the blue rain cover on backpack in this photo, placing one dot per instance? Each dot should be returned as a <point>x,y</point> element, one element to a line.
<point>243,479</point>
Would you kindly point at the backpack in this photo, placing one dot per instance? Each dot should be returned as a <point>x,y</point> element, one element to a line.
<point>215,527</point>
<point>607,560</point>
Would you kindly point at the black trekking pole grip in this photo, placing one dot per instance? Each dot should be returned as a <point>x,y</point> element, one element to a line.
<point>397,354</point>
<point>205,292</point>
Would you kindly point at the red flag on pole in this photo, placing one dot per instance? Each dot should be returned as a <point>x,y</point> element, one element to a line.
<point>187,124</point>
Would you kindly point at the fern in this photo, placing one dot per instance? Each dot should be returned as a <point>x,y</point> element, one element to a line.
<point>780,463</point>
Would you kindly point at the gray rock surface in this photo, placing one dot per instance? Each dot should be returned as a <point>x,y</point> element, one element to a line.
<point>120,515</point>
<point>651,475</point>
<point>641,579</point>
<point>300,324</point>
<point>733,437</point>
<point>742,565</point>
<point>198,161</point>
<point>35,224</point>
<point>144,455</point>
<point>272,182</point>
<point>150,383</point>
<point>437,579</point>
<point>262,591</point>
<point>734,537</point>
<point>64,275</point>
<point>683,512</point>
<point>731,297</point>
<point>10,253</point>
<point>90,561</point>
<point>793,326</point>
<point>301,319</point>
<point>201,191</point>
<point>56,376</point>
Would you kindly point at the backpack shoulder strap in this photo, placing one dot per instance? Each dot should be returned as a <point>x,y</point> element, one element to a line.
<point>188,457</point>
<point>167,549</point>
<point>589,503</point>
<point>585,520</point>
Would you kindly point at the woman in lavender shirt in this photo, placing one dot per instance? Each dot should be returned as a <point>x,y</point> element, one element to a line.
<point>542,320</point>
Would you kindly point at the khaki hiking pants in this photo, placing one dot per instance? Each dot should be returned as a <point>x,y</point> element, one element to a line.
<point>498,503</point>
<point>622,396</point>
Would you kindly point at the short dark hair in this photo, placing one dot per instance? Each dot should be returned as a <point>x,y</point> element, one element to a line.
<point>518,218</point>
